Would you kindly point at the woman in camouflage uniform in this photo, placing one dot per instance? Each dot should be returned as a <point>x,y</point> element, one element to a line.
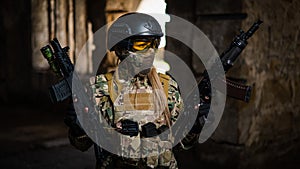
<point>135,100</point>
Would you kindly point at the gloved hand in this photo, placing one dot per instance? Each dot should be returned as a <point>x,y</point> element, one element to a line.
<point>149,130</point>
<point>128,127</point>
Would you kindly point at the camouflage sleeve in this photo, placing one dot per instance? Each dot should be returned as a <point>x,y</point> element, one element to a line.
<point>176,106</point>
<point>175,102</point>
<point>102,98</point>
<point>106,109</point>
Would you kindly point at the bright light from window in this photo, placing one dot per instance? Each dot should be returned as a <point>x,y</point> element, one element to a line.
<point>157,9</point>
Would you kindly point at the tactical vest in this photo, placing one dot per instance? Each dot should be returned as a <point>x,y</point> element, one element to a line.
<point>138,106</point>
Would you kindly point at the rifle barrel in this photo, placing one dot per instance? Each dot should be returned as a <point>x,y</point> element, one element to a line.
<point>253,28</point>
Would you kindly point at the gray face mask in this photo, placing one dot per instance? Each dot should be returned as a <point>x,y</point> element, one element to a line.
<point>137,62</point>
<point>142,59</point>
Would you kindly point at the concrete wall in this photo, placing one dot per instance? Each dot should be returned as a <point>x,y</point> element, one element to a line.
<point>26,26</point>
<point>15,50</point>
<point>272,63</point>
<point>269,126</point>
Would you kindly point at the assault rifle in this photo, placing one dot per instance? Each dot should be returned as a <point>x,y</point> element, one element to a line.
<point>235,89</point>
<point>62,66</point>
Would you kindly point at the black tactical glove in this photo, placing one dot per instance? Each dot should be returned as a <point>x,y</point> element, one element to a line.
<point>129,127</point>
<point>149,130</point>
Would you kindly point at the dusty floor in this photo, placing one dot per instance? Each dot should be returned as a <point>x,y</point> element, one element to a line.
<point>36,138</point>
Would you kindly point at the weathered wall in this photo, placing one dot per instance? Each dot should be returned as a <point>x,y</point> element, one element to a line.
<point>265,132</point>
<point>271,121</point>
<point>26,26</point>
<point>15,54</point>
<point>272,63</point>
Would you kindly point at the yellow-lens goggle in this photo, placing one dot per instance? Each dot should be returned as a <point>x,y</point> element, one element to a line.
<point>140,45</point>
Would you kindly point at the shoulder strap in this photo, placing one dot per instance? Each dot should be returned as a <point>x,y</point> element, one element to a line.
<point>109,78</point>
<point>164,79</point>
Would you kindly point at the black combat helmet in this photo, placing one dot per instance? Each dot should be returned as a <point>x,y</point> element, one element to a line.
<point>130,27</point>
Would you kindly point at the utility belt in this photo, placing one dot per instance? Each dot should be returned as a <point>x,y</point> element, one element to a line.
<point>131,163</point>
<point>127,163</point>
<point>116,162</point>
